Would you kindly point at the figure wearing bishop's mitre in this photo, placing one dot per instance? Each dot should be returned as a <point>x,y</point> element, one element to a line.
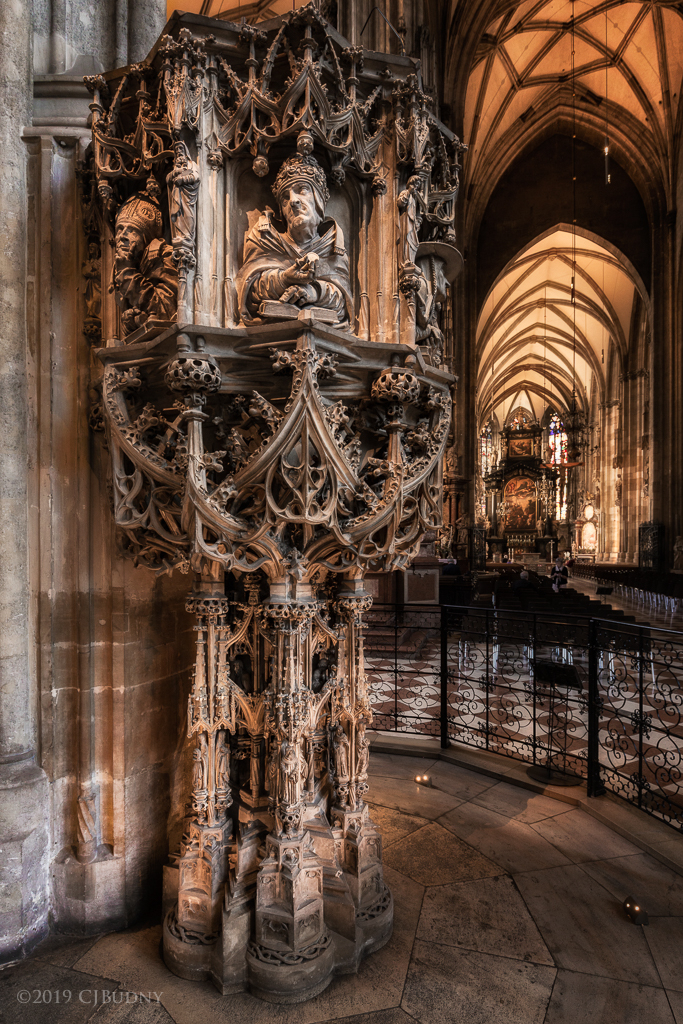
<point>145,278</point>
<point>305,266</point>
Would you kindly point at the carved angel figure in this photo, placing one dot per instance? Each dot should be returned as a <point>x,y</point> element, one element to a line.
<point>145,278</point>
<point>301,266</point>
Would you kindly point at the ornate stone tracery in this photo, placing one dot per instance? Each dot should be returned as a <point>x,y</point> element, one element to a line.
<point>278,437</point>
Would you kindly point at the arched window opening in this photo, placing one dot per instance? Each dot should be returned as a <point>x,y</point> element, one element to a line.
<point>557,448</point>
<point>557,440</point>
<point>485,449</point>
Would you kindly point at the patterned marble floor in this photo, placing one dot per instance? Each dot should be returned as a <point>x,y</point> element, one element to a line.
<point>507,911</point>
<point>644,613</point>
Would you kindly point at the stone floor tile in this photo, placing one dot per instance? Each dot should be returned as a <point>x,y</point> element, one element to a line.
<point>41,984</point>
<point>582,999</point>
<point>656,887</point>
<point>131,958</point>
<point>393,1016</point>
<point>488,916</point>
<point>64,950</point>
<point>409,798</point>
<point>122,1012</point>
<point>135,959</point>
<point>676,1004</point>
<point>584,927</point>
<point>521,804</point>
<point>672,850</point>
<point>581,838</point>
<point>511,844</point>
<point>665,938</point>
<point>472,757</point>
<point>434,856</point>
<point>394,766</point>
<point>459,782</point>
<point>629,819</point>
<point>450,986</point>
<point>394,825</point>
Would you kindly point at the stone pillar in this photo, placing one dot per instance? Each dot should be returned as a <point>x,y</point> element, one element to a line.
<point>23,786</point>
<point>146,19</point>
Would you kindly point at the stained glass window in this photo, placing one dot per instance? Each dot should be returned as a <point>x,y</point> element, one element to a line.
<point>557,446</point>
<point>485,449</point>
<point>557,440</point>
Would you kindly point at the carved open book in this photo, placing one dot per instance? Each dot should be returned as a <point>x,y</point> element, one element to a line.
<point>271,309</point>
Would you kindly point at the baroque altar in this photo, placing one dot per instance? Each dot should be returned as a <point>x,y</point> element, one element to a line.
<point>521,486</point>
<point>270,226</point>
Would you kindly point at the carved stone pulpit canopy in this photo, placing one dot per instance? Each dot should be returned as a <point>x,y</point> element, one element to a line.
<point>272,216</point>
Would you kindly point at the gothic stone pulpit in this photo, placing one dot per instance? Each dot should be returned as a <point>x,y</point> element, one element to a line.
<point>271,216</point>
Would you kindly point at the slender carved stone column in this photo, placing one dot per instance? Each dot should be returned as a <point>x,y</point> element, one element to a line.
<point>23,786</point>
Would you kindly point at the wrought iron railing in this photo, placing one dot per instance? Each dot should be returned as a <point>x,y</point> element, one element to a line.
<point>587,697</point>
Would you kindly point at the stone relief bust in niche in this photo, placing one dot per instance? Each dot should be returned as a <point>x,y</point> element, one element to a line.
<point>145,278</point>
<point>304,267</point>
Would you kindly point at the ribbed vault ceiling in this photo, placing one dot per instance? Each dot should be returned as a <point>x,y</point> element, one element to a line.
<point>628,70</point>
<point>628,65</point>
<point>234,10</point>
<point>533,341</point>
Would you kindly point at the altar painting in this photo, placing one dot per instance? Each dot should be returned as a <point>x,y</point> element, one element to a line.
<point>589,537</point>
<point>520,500</point>
<point>521,447</point>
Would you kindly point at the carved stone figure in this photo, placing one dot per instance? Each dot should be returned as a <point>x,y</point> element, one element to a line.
<point>222,763</point>
<point>299,267</point>
<point>145,278</point>
<point>362,752</point>
<point>431,296</point>
<point>198,781</point>
<point>92,272</point>
<point>293,769</point>
<point>272,776</point>
<point>411,204</point>
<point>317,681</point>
<point>183,188</point>
<point>678,553</point>
<point>204,751</point>
<point>255,768</point>
<point>341,752</point>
